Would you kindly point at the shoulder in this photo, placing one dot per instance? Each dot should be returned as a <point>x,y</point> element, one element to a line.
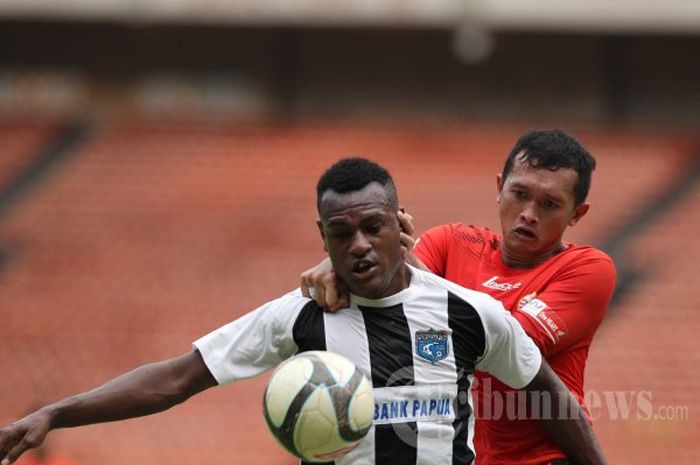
<point>292,299</point>
<point>581,277</point>
<point>462,233</point>
<point>285,310</point>
<point>277,315</point>
<point>587,252</point>
<point>459,229</point>
<point>479,301</point>
<point>586,259</point>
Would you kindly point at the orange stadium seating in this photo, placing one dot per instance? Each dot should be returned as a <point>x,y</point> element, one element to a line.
<point>650,345</point>
<point>21,141</point>
<point>154,233</point>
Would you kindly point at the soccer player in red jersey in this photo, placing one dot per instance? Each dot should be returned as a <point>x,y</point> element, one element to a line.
<point>559,292</point>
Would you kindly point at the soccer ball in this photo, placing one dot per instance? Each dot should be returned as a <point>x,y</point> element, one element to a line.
<point>318,405</point>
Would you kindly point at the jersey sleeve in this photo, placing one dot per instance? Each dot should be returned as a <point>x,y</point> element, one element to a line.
<point>570,309</point>
<point>254,342</point>
<point>432,248</point>
<point>510,355</point>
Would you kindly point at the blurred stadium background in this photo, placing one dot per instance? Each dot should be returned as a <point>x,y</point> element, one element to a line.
<point>158,161</point>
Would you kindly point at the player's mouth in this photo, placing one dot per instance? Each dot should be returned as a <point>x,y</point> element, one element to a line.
<point>524,233</point>
<point>362,269</point>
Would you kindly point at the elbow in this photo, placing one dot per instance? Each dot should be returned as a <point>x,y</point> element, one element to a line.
<point>545,380</point>
<point>189,376</point>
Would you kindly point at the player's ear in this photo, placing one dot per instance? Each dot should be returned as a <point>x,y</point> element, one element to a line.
<point>579,211</point>
<point>499,186</point>
<point>319,223</point>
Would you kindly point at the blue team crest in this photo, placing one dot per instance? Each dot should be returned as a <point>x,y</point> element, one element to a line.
<point>431,345</point>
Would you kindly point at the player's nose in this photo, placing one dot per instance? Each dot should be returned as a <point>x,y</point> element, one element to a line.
<point>360,245</point>
<point>529,213</point>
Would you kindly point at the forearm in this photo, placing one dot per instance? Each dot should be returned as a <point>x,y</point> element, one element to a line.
<point>569,428</point>
<point>145,390</point>
<point>148,389</point>
<point>563,418</point>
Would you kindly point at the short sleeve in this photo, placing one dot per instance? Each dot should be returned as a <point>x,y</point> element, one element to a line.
<point>254,342</point>
<point>432,248</point>
<point>570,309</point>
<point>510,355</point>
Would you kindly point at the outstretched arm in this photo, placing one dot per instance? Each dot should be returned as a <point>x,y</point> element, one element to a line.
<point>148,389</point>
<point>563,419</point>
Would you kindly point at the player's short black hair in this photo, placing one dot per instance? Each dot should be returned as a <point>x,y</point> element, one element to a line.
<point>553,149</point>
<point>354,174</point>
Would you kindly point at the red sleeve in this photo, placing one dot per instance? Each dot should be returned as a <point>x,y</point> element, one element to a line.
<point>569,310</point>
<point>432,248</point>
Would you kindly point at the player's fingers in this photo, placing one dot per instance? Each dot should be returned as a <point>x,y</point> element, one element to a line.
<point>343,296</point>
<point>4,439</point>
<point>27,442</point>
<point>406,222</point>
<point>343,301</point>
<point>313,277</point>
<point>305,284</point>
<point>309,279</point>
<point>8,438</point>
<point>331,292</point>
<point>319,295</point>
<point>407,241</point>
<point>316,289</point>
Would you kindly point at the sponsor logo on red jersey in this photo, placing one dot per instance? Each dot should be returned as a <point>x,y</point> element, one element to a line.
<point>492,284</point>
<point>547,318</point>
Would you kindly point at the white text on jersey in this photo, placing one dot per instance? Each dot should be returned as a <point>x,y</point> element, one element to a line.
<point>492,284</point>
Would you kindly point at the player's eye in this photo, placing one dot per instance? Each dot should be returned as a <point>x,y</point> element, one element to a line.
<point>338,233</point>
<point>550,205</point>
<point>519,194</point>
<point>374,228</point>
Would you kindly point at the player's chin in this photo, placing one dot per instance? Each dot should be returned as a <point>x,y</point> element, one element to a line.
<point>370,289</point>
<point>523,245</point>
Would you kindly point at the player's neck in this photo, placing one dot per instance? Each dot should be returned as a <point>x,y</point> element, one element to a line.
<point>518,261</point>
<point>402,281</point>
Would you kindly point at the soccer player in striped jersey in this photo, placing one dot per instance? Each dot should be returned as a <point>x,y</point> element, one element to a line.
<point>418,337</point>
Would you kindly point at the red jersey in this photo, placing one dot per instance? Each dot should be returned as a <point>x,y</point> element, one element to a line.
<point>560,304</point>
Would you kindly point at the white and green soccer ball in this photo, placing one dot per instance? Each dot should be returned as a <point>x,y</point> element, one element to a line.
<point>318,405</point>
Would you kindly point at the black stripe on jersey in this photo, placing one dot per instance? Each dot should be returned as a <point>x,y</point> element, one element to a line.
<point>309,330</point>
<point>390,346</point>
<point>309,333</point>
<point>468,337</point>
<point>469,344</point>
<point>395,444</point>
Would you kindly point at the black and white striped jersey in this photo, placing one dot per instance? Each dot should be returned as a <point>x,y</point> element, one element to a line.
<point>419,347</point>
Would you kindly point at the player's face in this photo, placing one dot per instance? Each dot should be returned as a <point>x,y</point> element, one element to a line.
<point>362,237</point>
<point>535,207</point>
